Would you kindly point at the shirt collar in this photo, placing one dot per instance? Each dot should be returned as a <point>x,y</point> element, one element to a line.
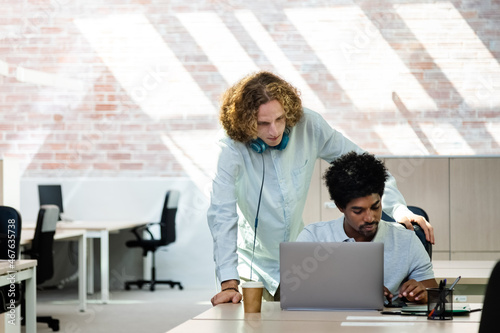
<point>339,232</point>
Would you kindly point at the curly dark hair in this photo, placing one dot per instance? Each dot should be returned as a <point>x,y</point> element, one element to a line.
<point>241,102</point>
<point>355,176</point>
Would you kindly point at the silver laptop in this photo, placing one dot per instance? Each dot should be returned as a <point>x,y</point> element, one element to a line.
<point>331,275</point>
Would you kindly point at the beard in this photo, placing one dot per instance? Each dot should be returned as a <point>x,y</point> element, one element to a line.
<point>368,229</point>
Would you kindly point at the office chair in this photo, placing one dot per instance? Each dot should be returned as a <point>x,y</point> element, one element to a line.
<point>10,235</point>
<point>418,230</point>
<point>42,250</point>
<point>167,230</point>
<point>491,306</point>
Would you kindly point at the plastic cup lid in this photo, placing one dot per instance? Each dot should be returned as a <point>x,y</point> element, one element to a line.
<point>252,284</point>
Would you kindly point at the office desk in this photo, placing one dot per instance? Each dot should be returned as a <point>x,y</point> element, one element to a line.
<point>231,318</point>
<point>100,230</point>
<point>271,311</point>
<point>27,235</point>
<point>23,270</point>
<point>472,272</point>
<point>237,326</point>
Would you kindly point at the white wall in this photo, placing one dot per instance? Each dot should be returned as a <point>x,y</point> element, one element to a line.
<point>188,260</point>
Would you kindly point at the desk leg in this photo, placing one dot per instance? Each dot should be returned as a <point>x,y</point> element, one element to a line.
<point>30,298</point>
<point>90,266</point>
<point>105,266</point>
<point>82,272</point>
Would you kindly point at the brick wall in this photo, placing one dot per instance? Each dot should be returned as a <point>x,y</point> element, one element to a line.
<point>130,88</point>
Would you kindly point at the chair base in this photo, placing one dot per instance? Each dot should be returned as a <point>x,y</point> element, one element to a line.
<point>140,283</point>
<point>52,322</point>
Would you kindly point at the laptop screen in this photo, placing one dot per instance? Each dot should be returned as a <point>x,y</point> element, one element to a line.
<point>331,275</point>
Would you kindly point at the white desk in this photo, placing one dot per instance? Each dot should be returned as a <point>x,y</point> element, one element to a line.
<point>101,230</point>
<point>237,326</point>
<point>23,270</point>
<point>471,271</point>
<point>272,311</point>
<point>27,235</point>
<point>231,318</point>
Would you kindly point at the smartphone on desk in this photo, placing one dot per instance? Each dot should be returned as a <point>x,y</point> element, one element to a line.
<point>395,304</point>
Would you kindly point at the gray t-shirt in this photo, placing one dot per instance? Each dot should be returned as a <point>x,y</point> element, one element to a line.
<point>405,257</point>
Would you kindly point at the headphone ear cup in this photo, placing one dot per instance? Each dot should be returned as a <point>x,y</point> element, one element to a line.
<point>258,146</point>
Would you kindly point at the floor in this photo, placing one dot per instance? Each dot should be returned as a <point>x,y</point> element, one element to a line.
<point>127,311</point>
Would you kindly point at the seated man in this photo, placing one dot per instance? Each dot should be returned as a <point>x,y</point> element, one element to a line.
<point>356,185</point>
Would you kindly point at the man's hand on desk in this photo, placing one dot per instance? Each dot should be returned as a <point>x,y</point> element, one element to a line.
<point>416,291</point>
<point>422,222</point>
<point>229,293</point>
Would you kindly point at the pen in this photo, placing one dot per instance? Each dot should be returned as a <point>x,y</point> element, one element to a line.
<point>452,285</point>
<point>456,281</point>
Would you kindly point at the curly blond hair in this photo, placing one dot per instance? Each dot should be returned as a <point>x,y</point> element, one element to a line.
<point>240,104</point>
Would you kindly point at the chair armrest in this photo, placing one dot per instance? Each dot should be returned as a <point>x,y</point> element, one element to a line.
<point>141,228</point>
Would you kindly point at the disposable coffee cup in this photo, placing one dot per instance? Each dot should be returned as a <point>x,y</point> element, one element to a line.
<point>252,296</point>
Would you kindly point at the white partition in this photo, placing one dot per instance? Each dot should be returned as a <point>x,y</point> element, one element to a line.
<point>10,193</point>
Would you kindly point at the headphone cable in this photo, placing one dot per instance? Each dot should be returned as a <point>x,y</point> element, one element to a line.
<point>257,215</point>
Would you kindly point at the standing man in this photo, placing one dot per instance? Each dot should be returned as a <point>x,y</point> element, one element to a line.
<point>266,159</point>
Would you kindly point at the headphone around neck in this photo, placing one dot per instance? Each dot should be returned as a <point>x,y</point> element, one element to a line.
<point>259,146</point>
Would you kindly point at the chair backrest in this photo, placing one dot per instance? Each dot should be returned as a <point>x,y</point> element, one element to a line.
<point>168,217</point>
<point>10,232</point>
<point>43,241</point>
<point>418,230</point>
<point>491,306</point>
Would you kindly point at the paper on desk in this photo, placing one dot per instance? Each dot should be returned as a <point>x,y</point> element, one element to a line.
<point>370,324</point>
<point>382,318</point>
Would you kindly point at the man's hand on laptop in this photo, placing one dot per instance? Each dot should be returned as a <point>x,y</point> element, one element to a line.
<point>229,293</point>
<point>422,222</point>
<point>413,291</point>
<point>388,295</point>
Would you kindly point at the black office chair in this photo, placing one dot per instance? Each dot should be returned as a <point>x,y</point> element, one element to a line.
<point>42,250</point>
<point>418,230</point>
<point>10,235</point>
<point>491,306</point>
<point>151,244</point>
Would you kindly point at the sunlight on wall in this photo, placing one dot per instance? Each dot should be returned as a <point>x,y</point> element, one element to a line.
<point>494,130</point>
<point>278,59</point>
<point>48,79</point>
<point>447,36</point>
<point>219,45</point>
<point>357,55</point>
<point>446,139</point>
<point>145,66</point>
<point>196,151</point>
<point>4,68</point>
<point>401,139</point>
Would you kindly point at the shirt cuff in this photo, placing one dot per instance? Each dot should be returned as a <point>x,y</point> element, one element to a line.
<point>401,212</point>
<point>228,274</point>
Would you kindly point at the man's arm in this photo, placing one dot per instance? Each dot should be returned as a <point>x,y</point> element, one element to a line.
<point>222,220</point>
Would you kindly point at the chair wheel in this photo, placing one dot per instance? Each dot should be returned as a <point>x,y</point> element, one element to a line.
<point>127,287</point>
<point>152,287</point>
<point>181,287</point>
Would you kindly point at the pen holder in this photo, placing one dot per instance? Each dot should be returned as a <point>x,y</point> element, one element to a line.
<point>439,304</point>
